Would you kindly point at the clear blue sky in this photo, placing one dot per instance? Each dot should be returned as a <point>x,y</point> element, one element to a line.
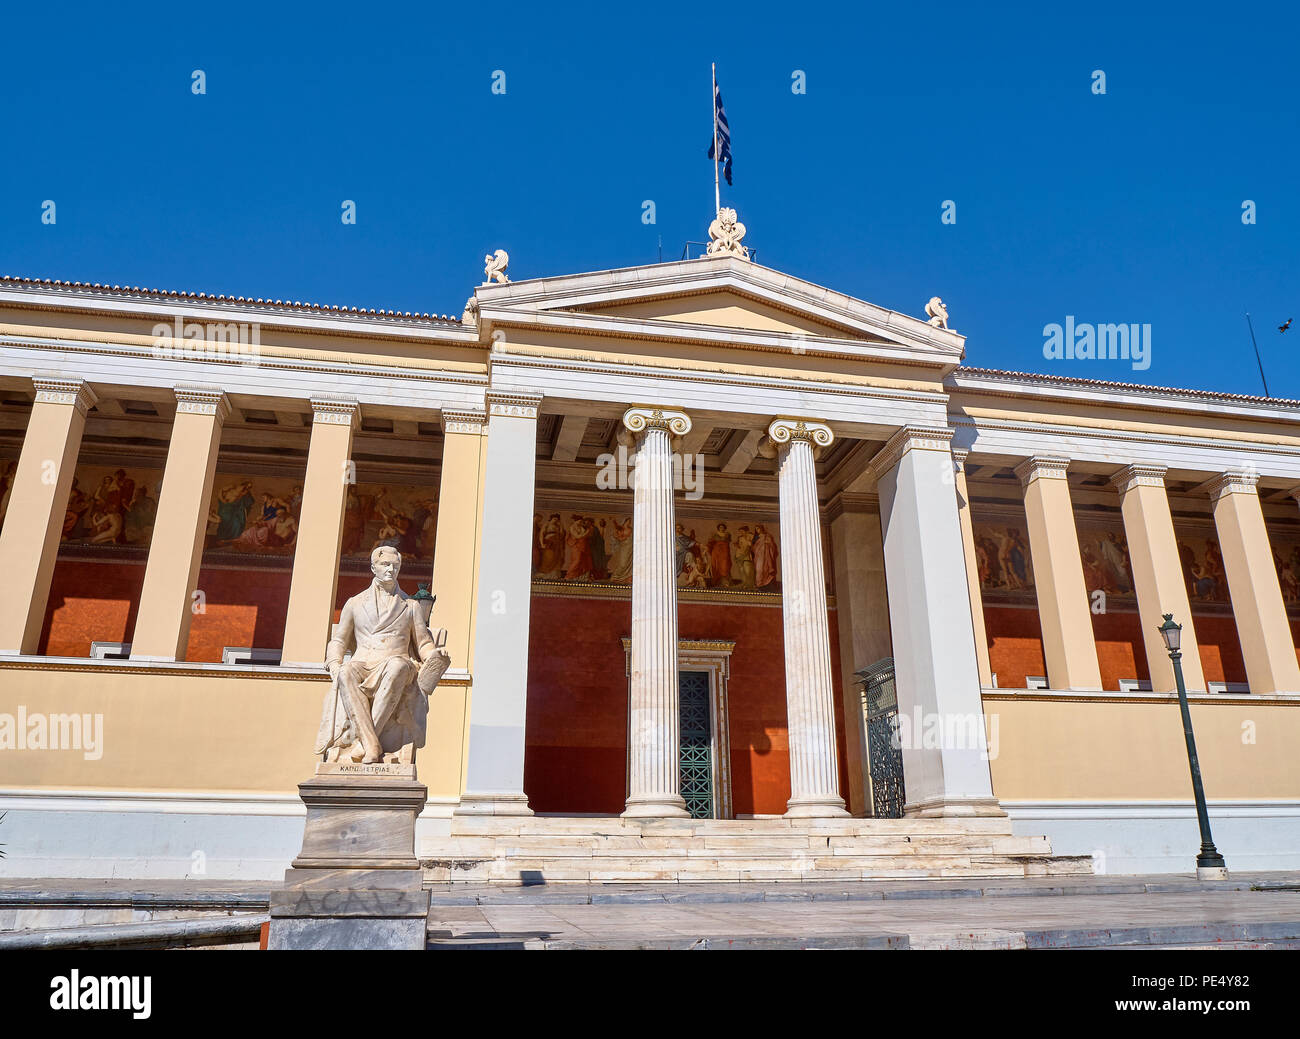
<point>1117,208</point>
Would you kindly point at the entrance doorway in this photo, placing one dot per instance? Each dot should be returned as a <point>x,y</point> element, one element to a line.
<point>696,764</point>
<point>704,755</point>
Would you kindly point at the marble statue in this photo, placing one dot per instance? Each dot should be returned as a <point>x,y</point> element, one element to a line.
<point>938,312</point>
<point>494,267</point>
<point>725,234</point>
<point>377,705</point>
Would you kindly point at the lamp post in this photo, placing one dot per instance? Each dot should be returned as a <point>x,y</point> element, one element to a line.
<point>1209,863</point>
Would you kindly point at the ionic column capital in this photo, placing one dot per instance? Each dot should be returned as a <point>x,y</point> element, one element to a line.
<point>1042,467</point>
<point>512,403</point>
<point>202,400</point>
<point>784,430</point>
<point>959,456</point>
<point>1237,481</point>
<point>55,389</point>
<point>463,420</point>
<point>639,419</point>
<point>336,411</point>
<point>1139,476</point>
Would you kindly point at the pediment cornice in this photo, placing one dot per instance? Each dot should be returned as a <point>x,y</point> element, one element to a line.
<point>579,301</point>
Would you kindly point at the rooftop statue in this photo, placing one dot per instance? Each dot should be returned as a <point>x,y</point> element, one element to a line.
<point>938,313</point>
<point>494,267</point>
<point>725,234</point>
<point>377,706</point>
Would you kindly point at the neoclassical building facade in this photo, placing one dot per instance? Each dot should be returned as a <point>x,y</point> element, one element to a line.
<point>673,517</point>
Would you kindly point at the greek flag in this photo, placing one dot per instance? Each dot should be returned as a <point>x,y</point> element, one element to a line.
<point>722,134</point>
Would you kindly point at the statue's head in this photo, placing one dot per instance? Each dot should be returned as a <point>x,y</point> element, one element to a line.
<point>386,563</point>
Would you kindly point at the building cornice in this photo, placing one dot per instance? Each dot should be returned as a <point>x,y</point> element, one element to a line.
<point>1136,396</point>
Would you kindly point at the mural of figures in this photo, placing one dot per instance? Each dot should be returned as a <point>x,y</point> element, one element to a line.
<point>1002,557</point>
<point>1202,563</point>
<point>260,515</point>
<point>108,505</point>
<point>708,554</point>
<point>7,470</point>
<point>1004,563</point>
<point>1286,557</point>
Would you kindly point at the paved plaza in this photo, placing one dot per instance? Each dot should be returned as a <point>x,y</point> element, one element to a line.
<point>1169,911</point>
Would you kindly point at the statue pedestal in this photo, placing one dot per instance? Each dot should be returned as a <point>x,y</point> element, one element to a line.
<point>356,884</point>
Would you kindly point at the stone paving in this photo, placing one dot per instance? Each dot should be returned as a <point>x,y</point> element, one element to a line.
<point>1251,910</point>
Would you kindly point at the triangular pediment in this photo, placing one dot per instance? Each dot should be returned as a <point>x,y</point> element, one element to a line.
<point>714,298</point>
<point>722,308</point>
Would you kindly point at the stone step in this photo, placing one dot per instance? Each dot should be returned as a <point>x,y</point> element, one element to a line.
<point>513,825</point>
<point>535,872</point>
<point>549,849</point>
<point>574,846</point>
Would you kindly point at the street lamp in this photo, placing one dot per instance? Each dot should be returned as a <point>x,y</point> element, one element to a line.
<point>1209,863</point>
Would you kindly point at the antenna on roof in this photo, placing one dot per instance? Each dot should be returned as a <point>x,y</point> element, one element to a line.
<point>1257,360</point>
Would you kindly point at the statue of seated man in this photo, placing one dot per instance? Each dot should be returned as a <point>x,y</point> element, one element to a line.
<point>378,700</point>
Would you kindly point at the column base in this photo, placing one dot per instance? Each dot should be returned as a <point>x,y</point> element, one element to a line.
<point>492,804</point>
<point>830,807</point>
<point>954,808</point>
<point>656,806</point>
<point>1211,872</point>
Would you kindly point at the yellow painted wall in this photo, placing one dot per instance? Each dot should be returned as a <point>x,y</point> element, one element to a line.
<point>1116,750</point>
<point>172,730</point>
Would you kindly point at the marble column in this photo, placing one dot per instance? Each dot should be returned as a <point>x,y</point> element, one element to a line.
<point>38,503</point>
<point>862,615</point>
<point>1257,604</point>
<point>972,568</point>
<point>809,687</point>
<point>494,774</point>
<point>936,674</point>
<point>1158,580</point>
<point>314,584</point>
<point>162,626</point>
<point>1064,610</point>
<point>654,737</point>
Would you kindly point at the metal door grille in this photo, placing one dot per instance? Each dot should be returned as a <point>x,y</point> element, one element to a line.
<point>885,756</point>
<point>696,761</point>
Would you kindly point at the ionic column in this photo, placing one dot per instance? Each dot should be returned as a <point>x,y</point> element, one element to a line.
<point>809,688</point>
<point>972,568</point>
<point>1257,605</point>
<point>494,777</point>
<point>1063,609</point>
<point>38,503</point>
<point>654,737</point>
<point>936,675</point>
<point>1158,578</point>
<point>330,470</point>
<point>162,626</point>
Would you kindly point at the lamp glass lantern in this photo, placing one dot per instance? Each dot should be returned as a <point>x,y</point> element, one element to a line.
<point>1172,633</point>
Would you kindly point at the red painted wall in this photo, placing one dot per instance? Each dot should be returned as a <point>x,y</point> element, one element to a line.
<point>1016,646</point>
<point>93,601</point>
<point>576,757</point>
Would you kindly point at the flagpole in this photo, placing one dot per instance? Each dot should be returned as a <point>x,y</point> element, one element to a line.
<point>717,197</point>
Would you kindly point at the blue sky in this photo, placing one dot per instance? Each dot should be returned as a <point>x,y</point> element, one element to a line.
<point>1117,208</point>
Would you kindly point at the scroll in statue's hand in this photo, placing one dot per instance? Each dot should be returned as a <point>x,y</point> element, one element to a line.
<point>431,671</point>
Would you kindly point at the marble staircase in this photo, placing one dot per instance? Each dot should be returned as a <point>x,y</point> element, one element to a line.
<point>592,849</point>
